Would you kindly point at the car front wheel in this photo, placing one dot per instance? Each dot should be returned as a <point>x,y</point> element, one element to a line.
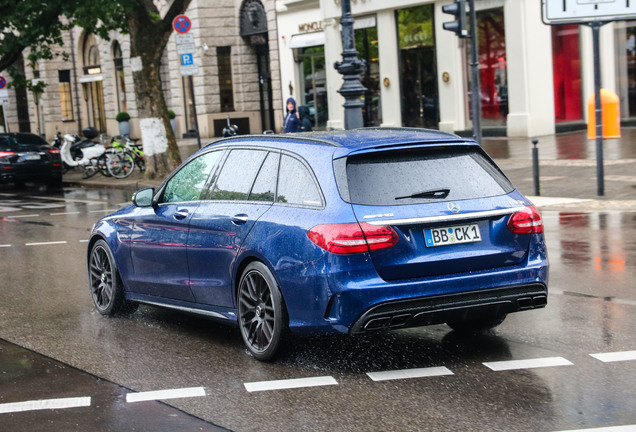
<point>261,311</point>
<point>105,285</point>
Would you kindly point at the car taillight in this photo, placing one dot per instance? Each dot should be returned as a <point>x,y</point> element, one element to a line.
<point>352,238</point>
<point>6,153</point>
<point>527,221</point>
<point>54,151</point>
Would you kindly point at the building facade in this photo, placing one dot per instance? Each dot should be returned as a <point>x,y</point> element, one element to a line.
<point>90,81</point>
<point>254,54</point>
<point>535,78</point>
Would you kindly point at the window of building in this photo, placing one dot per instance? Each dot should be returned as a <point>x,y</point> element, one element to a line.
<point>566,70</point>
<point>66,100</point>
<point>226,89</point>
<point>626,66</point>
<point>418,67</point>
<point>366,34</point>
<point>313,81</point>
<point>493,66</point>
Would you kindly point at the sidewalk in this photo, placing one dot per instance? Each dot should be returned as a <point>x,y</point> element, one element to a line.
<point>567,170</point>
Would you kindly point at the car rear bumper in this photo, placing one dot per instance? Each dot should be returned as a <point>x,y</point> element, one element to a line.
<point>439,309</point>
<point>9,176</point>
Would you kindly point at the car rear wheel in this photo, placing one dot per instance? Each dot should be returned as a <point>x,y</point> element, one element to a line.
<point>261,311</point>
<point>105,284</point>
<point>477,325</point>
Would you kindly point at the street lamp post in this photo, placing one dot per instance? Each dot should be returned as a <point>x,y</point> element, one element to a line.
<point>350,68</point>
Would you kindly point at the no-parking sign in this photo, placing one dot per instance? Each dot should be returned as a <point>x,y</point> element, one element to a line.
<point>181,24</point>
<point>4,93</point>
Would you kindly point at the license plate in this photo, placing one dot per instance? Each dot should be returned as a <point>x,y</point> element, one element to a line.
<point>452,235</point>
<point>32,156</point>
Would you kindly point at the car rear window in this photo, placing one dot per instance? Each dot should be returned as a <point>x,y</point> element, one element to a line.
<point>30,139</point>
<point>423,175</point>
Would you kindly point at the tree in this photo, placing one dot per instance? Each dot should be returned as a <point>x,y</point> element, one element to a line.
<point>37,25</point>
<point>149,34</point>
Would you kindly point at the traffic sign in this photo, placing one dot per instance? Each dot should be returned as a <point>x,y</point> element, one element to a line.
<point>181,24</point>
<point>3,82</point>
<point>187,59</point>
<point>584,11</point>
<point>185,43</point>
<point>186,70</point>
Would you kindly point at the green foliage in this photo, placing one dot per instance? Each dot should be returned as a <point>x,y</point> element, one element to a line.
<point>122,116</point>
<point>171,114</point>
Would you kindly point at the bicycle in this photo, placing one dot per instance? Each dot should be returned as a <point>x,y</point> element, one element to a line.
<point>121,158</point>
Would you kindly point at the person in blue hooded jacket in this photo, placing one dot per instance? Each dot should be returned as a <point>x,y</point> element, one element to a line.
<point>292,121</point>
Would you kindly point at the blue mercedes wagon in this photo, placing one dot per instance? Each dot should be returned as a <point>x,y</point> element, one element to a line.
<point>328,232</point>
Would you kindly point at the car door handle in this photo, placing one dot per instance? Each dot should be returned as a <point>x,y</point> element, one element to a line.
<point>239,219</point>
<point>181,214</point>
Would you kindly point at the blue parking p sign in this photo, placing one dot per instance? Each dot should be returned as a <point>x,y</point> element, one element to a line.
<point>187,59</point>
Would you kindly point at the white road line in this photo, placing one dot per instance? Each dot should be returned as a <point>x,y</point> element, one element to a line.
<point>64,213</point>
<point>527,364</point>
<point>290,383</point>
<point>409,373</point>
<point>615,356</point>
<point>69,200</point>
<point>83,241</point>
<point>45,243</point>
<point>45,404</point>
<point>22,216</point>
<point>7,245</point>
<point>165,394</point>
<point>626,428</point>
<point>103,211</point>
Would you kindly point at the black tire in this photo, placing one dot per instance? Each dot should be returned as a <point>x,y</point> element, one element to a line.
<point>121,165</point>
<point>101,164</point>
<point>477,325</point>
<point>105,284</point>
<point>262,317</point>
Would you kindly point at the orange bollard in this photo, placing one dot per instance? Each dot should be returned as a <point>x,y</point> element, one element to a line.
<point>611,115</point>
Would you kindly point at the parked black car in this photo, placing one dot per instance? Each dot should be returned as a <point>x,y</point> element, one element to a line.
<point>26,157</point>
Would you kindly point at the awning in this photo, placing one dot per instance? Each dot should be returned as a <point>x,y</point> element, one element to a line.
<point>307,40</point>
<point>91,78</point>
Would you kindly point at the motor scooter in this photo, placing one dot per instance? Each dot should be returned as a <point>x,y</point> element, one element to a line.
<point>86,153</point>
<point>57,141</point>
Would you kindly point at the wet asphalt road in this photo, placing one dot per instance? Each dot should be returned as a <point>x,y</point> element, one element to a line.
<point>46,308</point>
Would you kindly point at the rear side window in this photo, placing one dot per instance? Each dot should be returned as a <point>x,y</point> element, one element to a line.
<point>296,185</point>
<point>423,175</point>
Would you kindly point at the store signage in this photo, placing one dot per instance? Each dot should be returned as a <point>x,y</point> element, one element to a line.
<point>310,27</point>
<point>584,11</point>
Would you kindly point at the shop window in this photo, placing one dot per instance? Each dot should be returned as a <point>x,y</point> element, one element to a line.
<point>313,82</point>
<point>566,70</point>
<point>367,47</point>
<point>420,100</point>
<point>626,66</point>
<point>226,89</point>
<point>493,66</point>
<point>66,101</point>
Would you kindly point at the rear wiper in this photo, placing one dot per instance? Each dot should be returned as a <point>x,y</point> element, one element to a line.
<point>434,194</point>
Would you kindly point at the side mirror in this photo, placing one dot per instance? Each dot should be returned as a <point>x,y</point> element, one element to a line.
<point>144,197</point>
